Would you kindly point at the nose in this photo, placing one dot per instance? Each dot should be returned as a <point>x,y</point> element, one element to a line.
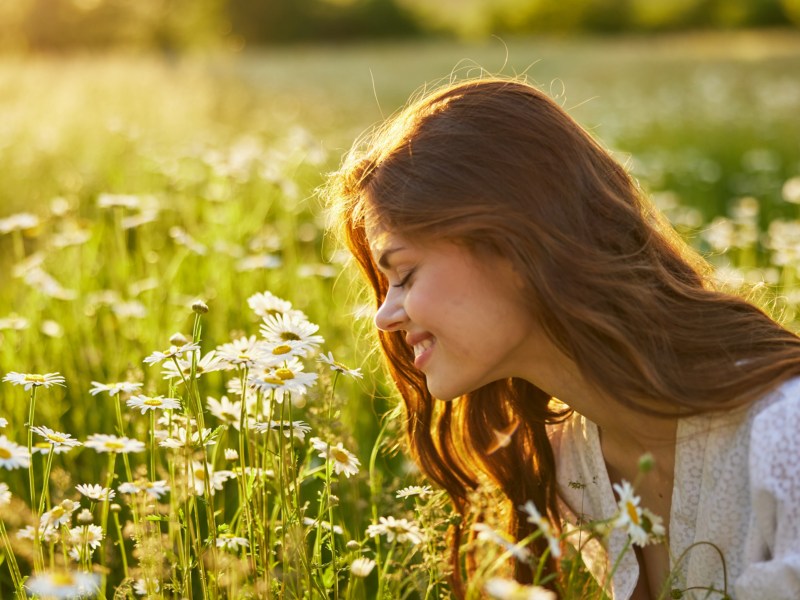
<point>391,316</point>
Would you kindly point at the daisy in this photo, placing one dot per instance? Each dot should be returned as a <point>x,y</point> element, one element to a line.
<point>288,378</point>
<point>100,442</point>
<point>401,529</point>
<point>629,515</point>
<point>197,478</point>
<point>415,490</point>
<point>14,322</point>
<point>88,536</point>
<point>243,352</point>
<point>59,515</point>
<point>544,526</point>
<point>5,495</point>
<point>171,352</point>
<point>231,454</point>
<point>653,525</point>
<point>265,303</point>
<point>19,222</point>
<point>291,328</point>
<point>156,489</point>
<point>46,448</point>
<point>298,429</point>
<point>29,380</point>
<point>63,584</point>
<point>343,461</point>
<point>113,389</point>
<point>95,492</point>
<point>207,364</point>
<point>339,367</point>
<point>508,589</point>
<point>226,411</point>
<point>145,403</point>
<point>56,438</point>
<point>486,533</point>
<point>141,587</point>
<point>362,566</point>
<point>3,422</point>
<point>128,201</point>
<point>323,524</point>
<point>48,536</point>
<point>12,455</point>
<point>181,438</point>
<point>228,541</point>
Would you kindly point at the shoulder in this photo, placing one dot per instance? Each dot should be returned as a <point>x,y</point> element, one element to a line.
<point>778,410</point>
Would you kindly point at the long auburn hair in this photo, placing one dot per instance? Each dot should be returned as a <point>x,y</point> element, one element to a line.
<point>494,163</point>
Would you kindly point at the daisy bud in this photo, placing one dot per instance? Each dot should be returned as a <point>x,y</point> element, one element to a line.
<point>115,508</point>
<point>231,454</point>
<point>178,339</point>
<point>646,462</point>
<point>85,517</point>
<point>200,307</point>
<point>352,545</point>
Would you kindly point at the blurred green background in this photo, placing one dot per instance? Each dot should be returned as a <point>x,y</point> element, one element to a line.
<point>174,25</point>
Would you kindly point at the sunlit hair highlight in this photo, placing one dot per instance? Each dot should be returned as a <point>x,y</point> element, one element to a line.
<point>496,165</point>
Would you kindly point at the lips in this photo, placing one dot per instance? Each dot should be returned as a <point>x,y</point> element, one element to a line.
<point>422,345</point>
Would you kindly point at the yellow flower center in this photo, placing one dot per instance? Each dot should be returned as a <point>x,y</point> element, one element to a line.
<point>282,349</point>
<point>284,374</point>
<point>153,402</point>
<point>114,445</point>
<point>339,455</point>
<point>63,579</point>
<point>273,380</point>
<point>289,335</point>
<point>632,513</point>
<point>58,439</point>
<point>200,473</point>
<point>243,356</point>
<point>5,454</point>
<point>35,378</point>
<point>226,536</point>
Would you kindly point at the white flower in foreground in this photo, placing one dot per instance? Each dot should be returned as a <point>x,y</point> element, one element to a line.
<point>288,378</point>
<point>487,533</point>
<point>170,353</point>
<point>244,352</point>
<point>101,442</point>
<point>63,584</point>
<point>629,516</point>
<point>29,380</point>
<point>95,492</point>
<point>265,303</point>
<point>12,455</point>
<point>56,438</point>
<point>225,410</point>
<point>415,490</point>
<point>182,438</point>
<point>3,422</point>
<point>5,494</point>
<point>339,367</point>
<point>535,517</point>
<point>508,589</point>
<point>46,448</point>
<point>231,454</point>
<point>89,536</point>
<point>342,460</point>
<point>401,529</point>
<point>48,536</point>
<point>113,389</point>
<point>228,541</point>
<point>145,403</point>
<point>362,566</point>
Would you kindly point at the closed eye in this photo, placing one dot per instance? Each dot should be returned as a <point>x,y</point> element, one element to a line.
<point>404,280</point>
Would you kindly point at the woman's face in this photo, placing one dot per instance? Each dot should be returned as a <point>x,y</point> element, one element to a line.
<point>463,314</point>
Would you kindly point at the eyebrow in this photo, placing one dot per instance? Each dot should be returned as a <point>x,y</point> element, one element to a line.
<point>383,260</point>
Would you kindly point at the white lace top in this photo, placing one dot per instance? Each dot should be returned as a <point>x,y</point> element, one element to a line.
<point>736,484</point>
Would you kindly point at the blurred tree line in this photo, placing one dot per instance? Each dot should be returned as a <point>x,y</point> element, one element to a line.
<point>174,25</point>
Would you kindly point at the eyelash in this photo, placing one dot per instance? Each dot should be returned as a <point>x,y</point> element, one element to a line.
<point>404,281</point>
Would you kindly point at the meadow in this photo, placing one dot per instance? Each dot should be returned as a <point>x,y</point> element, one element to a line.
<point>192,405</point>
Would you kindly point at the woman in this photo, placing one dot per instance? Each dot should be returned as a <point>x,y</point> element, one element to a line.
<point>519,271</point>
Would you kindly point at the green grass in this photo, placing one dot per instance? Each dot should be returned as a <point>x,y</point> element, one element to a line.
<point>230,150</point>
